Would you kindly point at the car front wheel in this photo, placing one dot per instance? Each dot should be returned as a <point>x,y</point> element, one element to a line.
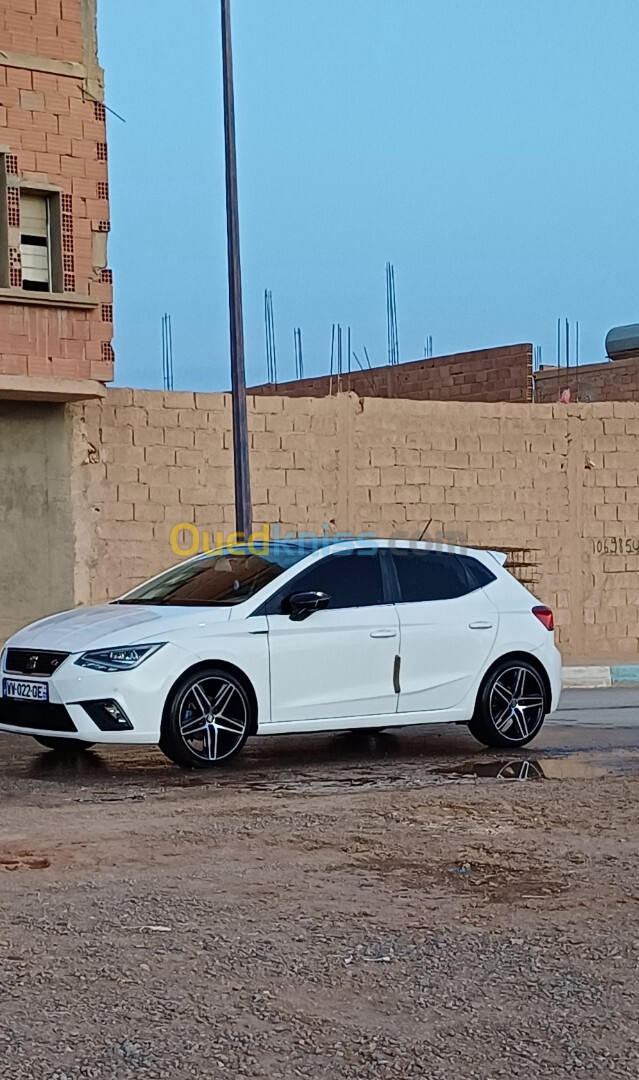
<point>511,706</point>
<point>207,719</point>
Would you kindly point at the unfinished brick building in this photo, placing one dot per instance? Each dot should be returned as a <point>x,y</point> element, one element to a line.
<point>501,374</point>
<point>617,380</point>
<point>56,314</point>
<point>491,375</point>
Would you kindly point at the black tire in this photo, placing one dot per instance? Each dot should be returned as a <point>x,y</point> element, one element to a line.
<point>195,735</point>
<point>511,706</point>
<point>70,747</point>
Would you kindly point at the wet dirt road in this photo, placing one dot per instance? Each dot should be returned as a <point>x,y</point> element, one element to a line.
<point>592,731</point>
<point>346,906</point>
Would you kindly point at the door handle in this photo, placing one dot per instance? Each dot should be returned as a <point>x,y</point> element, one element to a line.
<point>383,633</point>
<point>480,625</point>
<point>396,668</point>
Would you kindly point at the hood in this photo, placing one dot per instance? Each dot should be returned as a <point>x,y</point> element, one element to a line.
<point>110,625</point>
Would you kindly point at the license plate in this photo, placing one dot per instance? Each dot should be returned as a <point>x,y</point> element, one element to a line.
<point>25,691</point>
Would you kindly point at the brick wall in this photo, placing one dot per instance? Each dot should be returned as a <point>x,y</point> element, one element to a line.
<point>53,140</point>
<point>617,380</point>
<point>559,482</point>
<point>503,374</point>
<point>50,28</point>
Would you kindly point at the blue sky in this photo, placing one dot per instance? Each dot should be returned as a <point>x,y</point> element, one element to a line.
<point>486,147</point>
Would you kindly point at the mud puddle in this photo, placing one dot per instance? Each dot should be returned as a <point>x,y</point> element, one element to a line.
<point>559,767</point>
<point>549,768</point>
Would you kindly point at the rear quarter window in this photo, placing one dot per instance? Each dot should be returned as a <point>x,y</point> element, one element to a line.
<point>479,574</point>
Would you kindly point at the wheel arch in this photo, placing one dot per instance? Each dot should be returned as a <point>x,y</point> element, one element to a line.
<point>519,654</point>
<point>230,669</point>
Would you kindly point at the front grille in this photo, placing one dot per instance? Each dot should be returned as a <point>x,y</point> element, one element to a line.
<point>33,661</point>
<point>35,714</point>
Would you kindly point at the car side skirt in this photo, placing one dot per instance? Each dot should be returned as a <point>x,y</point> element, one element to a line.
<point>376,720</point>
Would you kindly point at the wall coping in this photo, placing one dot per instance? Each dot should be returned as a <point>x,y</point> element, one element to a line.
<point>47,299</point>
<point>48,388</point>
<point>42,63</point>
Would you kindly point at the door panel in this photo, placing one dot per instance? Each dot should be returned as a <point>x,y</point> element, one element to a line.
<point>448,626</point>
<point>339,661</point>
<point>333,664</point>
<point>441,655</point>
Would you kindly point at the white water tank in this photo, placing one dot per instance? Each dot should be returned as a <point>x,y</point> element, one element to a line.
<point>623,341</point>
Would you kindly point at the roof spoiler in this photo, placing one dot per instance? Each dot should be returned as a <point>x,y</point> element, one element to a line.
<point>499,556</point>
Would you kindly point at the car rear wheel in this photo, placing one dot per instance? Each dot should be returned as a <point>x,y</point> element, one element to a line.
<point>511,706</point>
<point>207,720</point>
<point>70,747</point>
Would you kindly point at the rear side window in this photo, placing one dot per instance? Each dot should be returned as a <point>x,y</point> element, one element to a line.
<point>478,573</point>
<point>352,579</point>
<point>436,575</point>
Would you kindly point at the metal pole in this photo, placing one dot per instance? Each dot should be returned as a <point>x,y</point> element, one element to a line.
<point>169,328</point>
<point>243,512</point>
<point>165,387</point>
<point>577,370</point>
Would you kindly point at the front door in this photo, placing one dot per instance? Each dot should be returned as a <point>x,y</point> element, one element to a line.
<point>338,662</point>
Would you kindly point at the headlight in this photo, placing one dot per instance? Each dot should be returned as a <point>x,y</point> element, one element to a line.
<point>129,656</point>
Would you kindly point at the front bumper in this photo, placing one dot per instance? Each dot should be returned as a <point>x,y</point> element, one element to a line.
<point>140,694</point>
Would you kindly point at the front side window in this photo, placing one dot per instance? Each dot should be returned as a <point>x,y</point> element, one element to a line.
<point>219,578</point>
<point>436,575</point>
<point>352,579</point>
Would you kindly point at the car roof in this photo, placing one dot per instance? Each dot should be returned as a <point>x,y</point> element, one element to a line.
<point>321,542</point>
<point>416,545</point>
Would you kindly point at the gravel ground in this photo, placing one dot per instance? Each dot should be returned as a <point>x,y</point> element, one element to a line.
<point>411,925</point>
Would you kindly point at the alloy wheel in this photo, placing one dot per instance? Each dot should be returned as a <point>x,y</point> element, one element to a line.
<point>521,770</point>
<point>213,716</point>
<point>517,703</point>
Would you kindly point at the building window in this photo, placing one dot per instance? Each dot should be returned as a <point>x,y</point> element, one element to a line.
<point>35,241</point>
<point>33,227</point>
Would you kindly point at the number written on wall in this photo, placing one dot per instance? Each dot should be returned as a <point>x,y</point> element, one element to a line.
<point>617,545</point>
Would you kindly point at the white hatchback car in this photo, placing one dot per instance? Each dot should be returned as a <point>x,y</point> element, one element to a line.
<point>295,637</point>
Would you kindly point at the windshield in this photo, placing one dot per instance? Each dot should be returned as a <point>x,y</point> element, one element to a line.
<point>223,577</point>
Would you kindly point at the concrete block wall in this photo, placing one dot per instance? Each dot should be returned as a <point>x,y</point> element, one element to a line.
<point>145,461</point>
<point>559,481</point>
<point>502,374</point>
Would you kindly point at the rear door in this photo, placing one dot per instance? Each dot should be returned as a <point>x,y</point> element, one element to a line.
<point>339,662</point>
<point>448,626</point>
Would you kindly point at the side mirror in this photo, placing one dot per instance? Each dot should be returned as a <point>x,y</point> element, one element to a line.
<point>302,604</point>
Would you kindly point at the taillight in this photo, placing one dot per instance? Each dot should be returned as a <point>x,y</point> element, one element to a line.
<point>545,616</point>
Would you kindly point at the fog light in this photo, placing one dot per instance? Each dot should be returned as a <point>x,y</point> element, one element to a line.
<point>107,715</point>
